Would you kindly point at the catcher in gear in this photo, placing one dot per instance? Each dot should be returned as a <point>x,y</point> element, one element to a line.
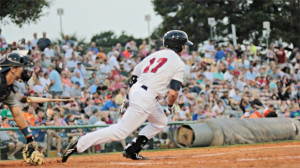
<point>13,67</point>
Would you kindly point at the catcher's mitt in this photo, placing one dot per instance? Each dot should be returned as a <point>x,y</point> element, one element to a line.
<point>32,155</point>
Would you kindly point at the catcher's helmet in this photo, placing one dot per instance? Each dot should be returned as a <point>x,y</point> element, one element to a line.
<point>175,39</point>
<point>12,60</point>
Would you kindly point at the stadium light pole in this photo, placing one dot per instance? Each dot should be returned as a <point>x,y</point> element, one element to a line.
<point>211,22</point>
<point>60,12</point>
<point>148,19</point>
<point>266,26</point>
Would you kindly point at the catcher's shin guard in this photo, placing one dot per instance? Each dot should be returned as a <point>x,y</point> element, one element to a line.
<point>132,150</point>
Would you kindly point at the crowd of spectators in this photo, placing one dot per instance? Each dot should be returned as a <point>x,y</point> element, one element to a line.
<point>223,81</point>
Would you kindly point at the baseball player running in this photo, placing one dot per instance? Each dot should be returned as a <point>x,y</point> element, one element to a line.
<point>13,67</point>
<point>150,80</point>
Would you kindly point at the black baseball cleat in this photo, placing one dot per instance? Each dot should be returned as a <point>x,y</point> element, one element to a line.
<point>71,148</point>
<point>134,156</point>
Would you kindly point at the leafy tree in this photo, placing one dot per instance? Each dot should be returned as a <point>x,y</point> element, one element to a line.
<point>108,39</point>
<point>22,11</point>
<point>248,16</point>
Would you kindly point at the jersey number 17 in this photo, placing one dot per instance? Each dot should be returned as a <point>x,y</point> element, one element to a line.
<point>159,63</point>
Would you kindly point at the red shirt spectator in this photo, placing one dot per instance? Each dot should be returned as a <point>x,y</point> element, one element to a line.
<point>281,57</point>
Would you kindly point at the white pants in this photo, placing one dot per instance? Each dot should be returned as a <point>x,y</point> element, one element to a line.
<point>142,106</point>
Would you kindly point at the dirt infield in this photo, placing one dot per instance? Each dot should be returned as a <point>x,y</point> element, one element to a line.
<point>285,154</point>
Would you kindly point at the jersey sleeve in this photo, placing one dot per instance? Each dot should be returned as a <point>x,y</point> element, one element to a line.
<point>178,75</point>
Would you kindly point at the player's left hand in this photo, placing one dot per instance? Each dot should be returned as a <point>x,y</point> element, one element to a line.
<point>32,155</point>
<point>124,106</point>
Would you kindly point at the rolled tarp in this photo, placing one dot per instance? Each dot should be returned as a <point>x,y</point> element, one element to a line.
<point>223,131</point>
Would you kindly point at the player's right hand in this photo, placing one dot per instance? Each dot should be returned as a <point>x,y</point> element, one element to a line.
<point>171,108</point>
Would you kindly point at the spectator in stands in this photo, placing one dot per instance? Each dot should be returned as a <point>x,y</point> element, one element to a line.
<point>80,69</point>
<point>73,133</point>
<point>219,55</point>
<point>93,48</point>
<point>209,49</point>
<point>65,78</point>
<point>43,42</point>
<point>67,40</point>
<point>106,117</point>
<point>55,81</point>
<point>10,142</point>
<point>29,115</point>
<point>218,75</point>
<point>76,91</point>
<point>90,107</point>
<point>198,115</point>
<point>250,74</point>
<point>120,96</point>
<point>114,64</point>
<point>35,40</point>
<point>281,56</point>
<point>296,112</point>
<point>5,112</point>
<point>78,78</point>
<point>39,136</point>
<point>48,51</point>
<point>111,104</point>
<point>94,86</point>
<point>94,118</point>
<point>218,109</point>
<point>225,99</point>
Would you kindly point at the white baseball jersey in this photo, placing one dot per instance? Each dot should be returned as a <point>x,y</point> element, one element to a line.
<point>158,69</point>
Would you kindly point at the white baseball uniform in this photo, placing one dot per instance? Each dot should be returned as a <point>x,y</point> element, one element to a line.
<point>154,73</point>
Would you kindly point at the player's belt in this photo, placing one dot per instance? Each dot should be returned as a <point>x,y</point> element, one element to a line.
<point>146,88</point>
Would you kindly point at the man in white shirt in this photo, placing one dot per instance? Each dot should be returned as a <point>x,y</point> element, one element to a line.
<point>104,69</point>
<point>218,108</point>
<point>208,74</point>
<point>48,51</point>
<point>72,63</point>
<point>228,74</point>
<point>45,80</point>
<point>113,62</point>
<point>68,50</point>
<point>34,40</point>
<point>209,49</point>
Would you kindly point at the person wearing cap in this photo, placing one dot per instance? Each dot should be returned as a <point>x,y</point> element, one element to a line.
<point>13,67</point>
<point>55,86</point>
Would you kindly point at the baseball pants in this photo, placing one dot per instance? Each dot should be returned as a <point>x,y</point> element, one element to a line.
<point>143,106</point>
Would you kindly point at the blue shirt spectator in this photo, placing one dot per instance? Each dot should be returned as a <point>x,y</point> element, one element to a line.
<point>55,79</point>
<point>78,78</point>
<point>219,55</point>
<point>93,48</point>
<point>250,75</point>
<point>110,104</point>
